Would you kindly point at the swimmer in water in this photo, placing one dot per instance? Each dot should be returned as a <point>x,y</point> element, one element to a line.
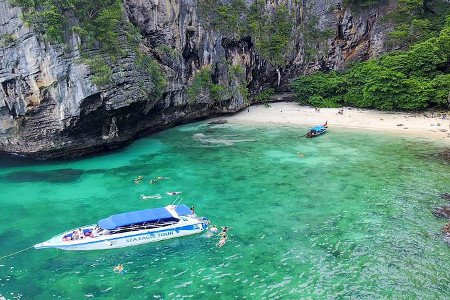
<point>222,241</point>
<point>138,179</point>
<point>156,179</point>
<point>118,269</point>
<point>224,231</point>
<point>212,231</point>
<point>157,196</point>
<point>173,193</point>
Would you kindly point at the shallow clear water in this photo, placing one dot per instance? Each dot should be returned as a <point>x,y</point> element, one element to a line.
<point>349,218</point>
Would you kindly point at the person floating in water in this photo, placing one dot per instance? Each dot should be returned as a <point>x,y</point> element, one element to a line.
<point>214,229</point>
<point>118,269</point>
<point>224,231</point>
<point>192,209</point>
<point>144,197</point>
<point>138,179</point>
<point>222,241</point>
<point>173,193</point>
<point>159,178</point>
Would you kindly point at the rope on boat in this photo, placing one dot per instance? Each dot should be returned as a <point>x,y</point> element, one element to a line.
<point>17,252</point>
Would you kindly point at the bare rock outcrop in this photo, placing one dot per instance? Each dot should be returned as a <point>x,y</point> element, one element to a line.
<point>50,107</point>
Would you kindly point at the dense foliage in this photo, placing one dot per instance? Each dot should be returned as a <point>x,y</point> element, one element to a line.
<point>99,24</point>
<point>416,20</point>
<point>407,80</point>
<point>265,95</point>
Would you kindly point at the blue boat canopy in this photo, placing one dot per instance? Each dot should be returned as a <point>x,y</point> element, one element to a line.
<point>319,128</point>
<point>135,217</point>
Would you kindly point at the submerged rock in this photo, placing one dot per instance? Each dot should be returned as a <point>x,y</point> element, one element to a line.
<point>445,196</point>
<point>446,230</point>
<point>218,122</point>
<point>442,211</point>
<point>445,155</point>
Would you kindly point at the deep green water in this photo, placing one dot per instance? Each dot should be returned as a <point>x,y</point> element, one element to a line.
<point>350,219</point>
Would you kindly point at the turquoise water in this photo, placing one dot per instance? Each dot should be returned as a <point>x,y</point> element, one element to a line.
<point>349,218</point>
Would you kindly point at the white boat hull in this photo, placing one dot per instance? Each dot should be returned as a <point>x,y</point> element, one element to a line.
<point>184,228</point>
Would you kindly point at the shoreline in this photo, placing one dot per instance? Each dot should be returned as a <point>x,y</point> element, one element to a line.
<point>427,126</point>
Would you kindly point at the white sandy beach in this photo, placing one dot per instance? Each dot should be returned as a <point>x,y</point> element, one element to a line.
<point>426,125</point>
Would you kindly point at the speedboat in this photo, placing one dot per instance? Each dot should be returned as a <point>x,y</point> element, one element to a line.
<point>131,229</point>
<point>316,131</point>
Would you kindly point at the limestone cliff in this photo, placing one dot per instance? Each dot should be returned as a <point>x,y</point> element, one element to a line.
<point>50,107</point>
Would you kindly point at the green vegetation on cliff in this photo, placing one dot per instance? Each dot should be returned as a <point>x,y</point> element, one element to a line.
<point>102,30</point>
<point>271,32</point>
<point>96,21</point>
<point>203,83</point>
<point>7,39</point>
<point>416,20</point>
<point>415,79</point>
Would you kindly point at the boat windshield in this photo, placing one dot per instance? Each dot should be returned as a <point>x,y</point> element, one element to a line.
<point>145,225</point>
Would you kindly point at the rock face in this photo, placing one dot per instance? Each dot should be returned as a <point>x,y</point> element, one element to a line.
<point>49,106</point>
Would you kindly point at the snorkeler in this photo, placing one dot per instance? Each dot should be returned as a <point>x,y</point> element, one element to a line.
<point>224,231</point>
<point>173,193</point>
<point>156,179</point>
<point>144,197</point>
<point>138,179</point>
